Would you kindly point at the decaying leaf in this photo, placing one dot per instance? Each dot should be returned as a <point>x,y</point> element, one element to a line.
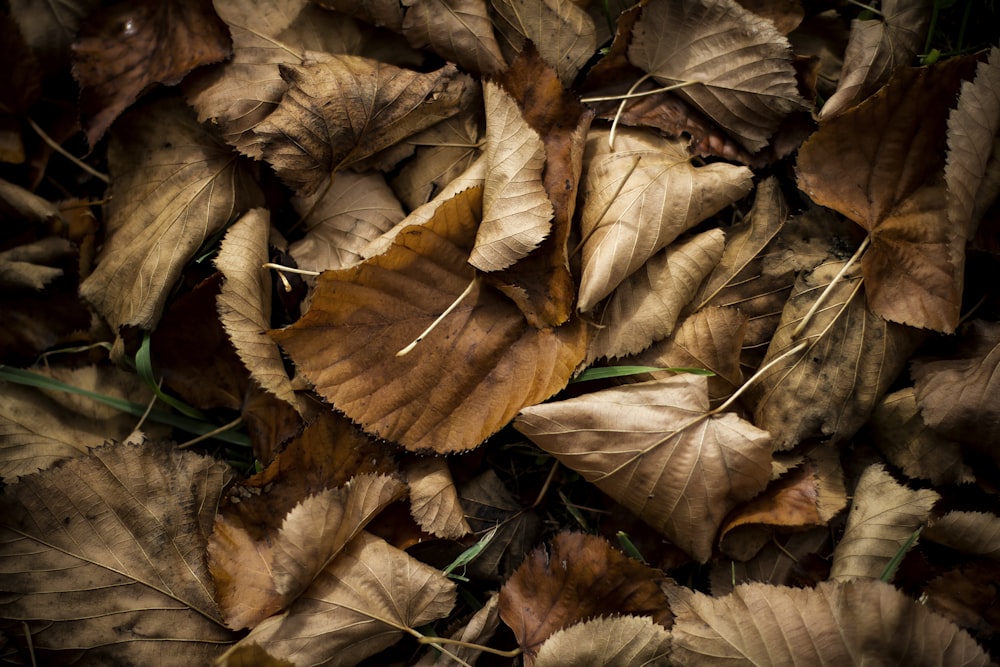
<point>582,577</point>
<point>884,514</point>
<point>655,448</point>
<point>780,562</point>
<point>434,501</point>
<point>443,153</point>
<point>562,32</point>
<point>969,532</point>
<point>617,641</point>
<point>734,65</point>
<point>836,623</point>
<point>457,30</point>
<point>478,630</point>
<point>360,604</point>
<point>104,558</point>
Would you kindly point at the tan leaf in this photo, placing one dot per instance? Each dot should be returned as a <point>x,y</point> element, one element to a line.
<point>581,578</point>
<point>900,434</point>
<point>339,109</point>
<point>104,558</point>
<point>175,185</point>
<point>444,152</point>
<point>974,533</point>
<point>851,356</point>
<point>478,630</point>
<point>974,147</point>
<point>645,306</point>
<point>382,13</point>
<point>958,396</point>
<point>360,604</point>
<point>563,33</point>
<point>15,201</point>
<point>740,64</point>
<point>884,514</point>
<point>517,214</point>
<point>780,562</point>
<point>786,15</point>
<point>434,501</point>
<point>877,47</point>
<point>456,30</point>
<point>342,219</point>
<point>887,176</point>
<point>638,199</point>
<point>618,641</point>
<point>245,303</point>
<point>836,623</point>
<point>407,399</point>
<point>259,577</point>
<point>26,266</point>
<point>656,449</point>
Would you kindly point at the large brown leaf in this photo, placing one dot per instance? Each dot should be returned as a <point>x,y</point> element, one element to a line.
<point>457,30</point>
<point>175,185</point>
<point>740,64</point>
<point>655,448</point>
<point>854,623</point>
<point>470,376</point>
<point>104,558</point>
<point>340,109</point>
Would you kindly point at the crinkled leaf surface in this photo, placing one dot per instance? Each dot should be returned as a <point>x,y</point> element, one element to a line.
<point>561,30</point>
<point>104,558</point>
<point>617,641</point>
<point>655,448</point>
<point>174,186</point>
<point>471,374</point>
<point>741,64</point>
<point>835,623</point>
<point>360,604</point>
<point>457,30</point>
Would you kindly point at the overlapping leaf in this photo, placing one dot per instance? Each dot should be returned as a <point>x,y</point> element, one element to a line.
<point>561,30</point>
<point>457,30</point>
<point>434,501</point>
<point>617,641</point>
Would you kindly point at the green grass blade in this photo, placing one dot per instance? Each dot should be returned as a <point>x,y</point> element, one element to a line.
<point>605,372</point>
<point>890,570</point>
<point>144,367</point>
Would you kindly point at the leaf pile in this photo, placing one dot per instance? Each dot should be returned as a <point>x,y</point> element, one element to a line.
<point>710,280</point>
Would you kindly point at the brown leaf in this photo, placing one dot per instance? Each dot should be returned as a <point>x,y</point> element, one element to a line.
<point>836,623</point>
<point>786,15</point>
<point>16,202</point>
<point>360,604</point>
<point>478,630</point>
<point>887,176</point>
<point>779,562</point>
<point>382,13</point>
<point>851,356</point>
<point>175,186</point>
<point>739,63</point>
<point>456,30</point>
<point>967,596</point>
<point>884,514</point>
<point>496,363</point>
<point>126,48</point>
<point>877,47</point>
<point>656,449</point>
<point>28,266</point>
<point>444,152</point>
<point>638,198</point>
<point>974,533</point>
<point>104,558</point>
<point>958,396</point>
<point>340,109</point>
<point>618,641</point>
<point>434,501</point>
<point>644,308</point>
<point>562,32</point>
<point>50,29</point>
<point>582,577</point>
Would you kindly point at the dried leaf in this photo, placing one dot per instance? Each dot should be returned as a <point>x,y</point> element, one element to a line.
<point>876,48</point>
<point>78,543</point>
<point>562,32</point>
<point>360,604</point>
<point>638,198</point>
<point>517,214</point>
<point>780,562</point>
<point>581,578</point>
<point>741,65</point>
<point>478,630</point>
<point>490,505</point>
<point>444,152</point>
<point>836,623</point>
<point>124,49</point>
<point>656,449</point>
<point>618,641</point>
<point>50,28</point>
<point>16,202</point>
<point>382,13</point>
<point>974,533</point>
<point>434,501</point>
<point>883,516</point>
<point>339,109</point>
<point>394,296</point>
<point>26,266</point>
<point>456,30</point>
<point>644,308</point>
<point>161,212</point>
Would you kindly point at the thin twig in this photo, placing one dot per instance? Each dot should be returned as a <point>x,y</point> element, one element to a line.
<point>65,153</point>
<point>211,434</point>
<point>454,304</point>
<point>829,288</point>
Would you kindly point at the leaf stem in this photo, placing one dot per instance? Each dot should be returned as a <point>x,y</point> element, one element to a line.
<point>760,372</point>
<point>513,653</point>
<point>65,153</point>
<point>829,288</point>
<point>288,269</point>
<point>211,434</point>
<point>454,304</point>
<point>631,95</point>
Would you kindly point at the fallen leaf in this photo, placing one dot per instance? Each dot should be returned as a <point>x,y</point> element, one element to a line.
<point>478,630</point>
<point>562,32</point>
<point>582,577</point>
<point>738,64</point>
<point>363,602</point>
<point>778,562</point>
<point>175,186</point>
<point>638,198</point>
<point>24,205</point>
<point>339,109</point>
<point>877,47</point>
<point>655,448</point>
<point>496,362</point>
<point>967,596</point>
<point>884,514</point>
<point>617,641</point>
<point>974,533</point>
<point>786,15</point>
<point>50,29</point>
<point>77,542</point>
<point>645,307</point>
<point>434,501</point>
<point>383,13</point>
<point>457,30</point>
<point>836,623</point>
<point>28,266</point>
<point>443,153</point>
<point>124,49</point>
